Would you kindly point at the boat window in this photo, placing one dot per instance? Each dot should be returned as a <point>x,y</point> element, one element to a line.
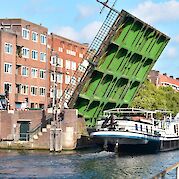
<point>147,129</point>
<point>151,129</point>
<point>175,129</point>
<point>136,127</point>
<point>141,127</point>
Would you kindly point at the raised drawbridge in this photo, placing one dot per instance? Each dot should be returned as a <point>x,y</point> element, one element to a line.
<point>115,65</point>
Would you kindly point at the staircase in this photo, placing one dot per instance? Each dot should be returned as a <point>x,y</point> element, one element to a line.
<point>40,135</point>
<point>89,61</point>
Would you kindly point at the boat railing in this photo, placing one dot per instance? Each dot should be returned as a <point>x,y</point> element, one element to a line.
<point>137,129</point>
<point>167,170</point>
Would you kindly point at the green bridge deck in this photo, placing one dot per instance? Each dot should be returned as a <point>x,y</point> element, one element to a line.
<point>120,68</point>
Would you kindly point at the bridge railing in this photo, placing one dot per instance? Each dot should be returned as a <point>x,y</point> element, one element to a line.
<point>162,174</point>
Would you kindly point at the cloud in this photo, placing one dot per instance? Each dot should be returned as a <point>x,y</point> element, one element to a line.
<point>90,30</point>
<point>85,11</point>
<point>176,39</point>
<point>156,12</point>
<point>86,34</point>
<point>171,52</point>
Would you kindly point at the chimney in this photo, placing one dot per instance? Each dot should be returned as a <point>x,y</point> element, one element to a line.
<point>171,76</point>
<point>164,74</point>
<point>177,79</point>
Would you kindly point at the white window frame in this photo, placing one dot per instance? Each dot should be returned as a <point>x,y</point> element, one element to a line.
<point>73,65</point>
<point>24,89</point>
<point>42,91</point>
<point>59,93</point>
<point>8,48</point>
<point>80,55</point>
<point>8,68</point>
<point>25,52</point>
<point>67,79</point>
<point>25,33</point>
<point>43,39</point>
<point>34,72</point>
<point>26,69</point>
<point>10,86</point>
<point>52,77</point>
<point>60,49</point>
<point>42,74</point>
<point>43,57</point>
<point>68,64</point>
<point>34,36</point>
<point>60,62</point>
<point>34,54</point>
<point>73,80</point>
<point>35,90</point>
<point>59,78</point>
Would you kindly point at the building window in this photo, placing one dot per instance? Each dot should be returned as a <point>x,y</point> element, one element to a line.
<point>43,39</point>
<point>60,49</point>
<point>24,89</point>
<point>73,80</point>
<point>34,54</point>
<point>34,73</point>
<point>25,33</point>
<point>67,79</point>
<point>71,52</point>
<point>8,68</point>
<point>51,92</point>
<point>25,71</point>
<point>81,55</point>
<point>33,90</point>
<point>59,93</point>
<point>18,88</point>
<point>59,78</point>
<point>8,87</point>
<point>53,60</point>
<point>59,61</point>
<point>42,91</point>
<point>42,74</point>
<point>34,36</point>
<point>68,64</point>
<point>52,77</point>
<point>73,65</point>
<point>8,48</point>
<point>42,56</point>
<point>25,52</point>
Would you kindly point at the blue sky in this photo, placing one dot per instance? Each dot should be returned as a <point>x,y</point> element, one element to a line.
<point>80,20</point>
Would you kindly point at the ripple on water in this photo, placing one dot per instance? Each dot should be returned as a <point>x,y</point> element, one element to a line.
<point>84,165</point>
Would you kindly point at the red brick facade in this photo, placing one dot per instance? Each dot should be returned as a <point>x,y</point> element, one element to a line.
<point>163,80</point>
<point>25,63</point>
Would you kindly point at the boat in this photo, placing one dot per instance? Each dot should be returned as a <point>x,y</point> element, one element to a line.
<point>137,130</point>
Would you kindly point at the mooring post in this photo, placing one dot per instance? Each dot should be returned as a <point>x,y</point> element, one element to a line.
<point>52,139</point>
<point>58,142</point>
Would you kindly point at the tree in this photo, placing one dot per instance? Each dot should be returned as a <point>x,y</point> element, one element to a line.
<point>150,97</point>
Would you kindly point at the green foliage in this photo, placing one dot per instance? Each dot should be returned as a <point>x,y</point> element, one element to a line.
<point>150,97</point>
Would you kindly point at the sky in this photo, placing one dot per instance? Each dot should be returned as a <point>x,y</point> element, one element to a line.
<point>80,20</point>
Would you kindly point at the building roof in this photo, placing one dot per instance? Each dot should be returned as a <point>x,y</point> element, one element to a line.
<point>84,45</point>
<point>168,79</point>
<point>18,21</point>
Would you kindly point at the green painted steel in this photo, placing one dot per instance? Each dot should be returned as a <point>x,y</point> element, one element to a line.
<point>121,68</point>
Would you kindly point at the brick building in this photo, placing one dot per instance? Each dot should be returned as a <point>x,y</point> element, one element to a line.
<point>163,80</point>
<point>26,64</point>
<point>69,55</point>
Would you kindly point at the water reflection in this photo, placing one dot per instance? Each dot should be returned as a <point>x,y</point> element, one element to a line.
<point>83,164</point>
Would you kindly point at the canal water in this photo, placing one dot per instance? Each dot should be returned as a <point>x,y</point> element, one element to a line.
<point>83,164</point>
